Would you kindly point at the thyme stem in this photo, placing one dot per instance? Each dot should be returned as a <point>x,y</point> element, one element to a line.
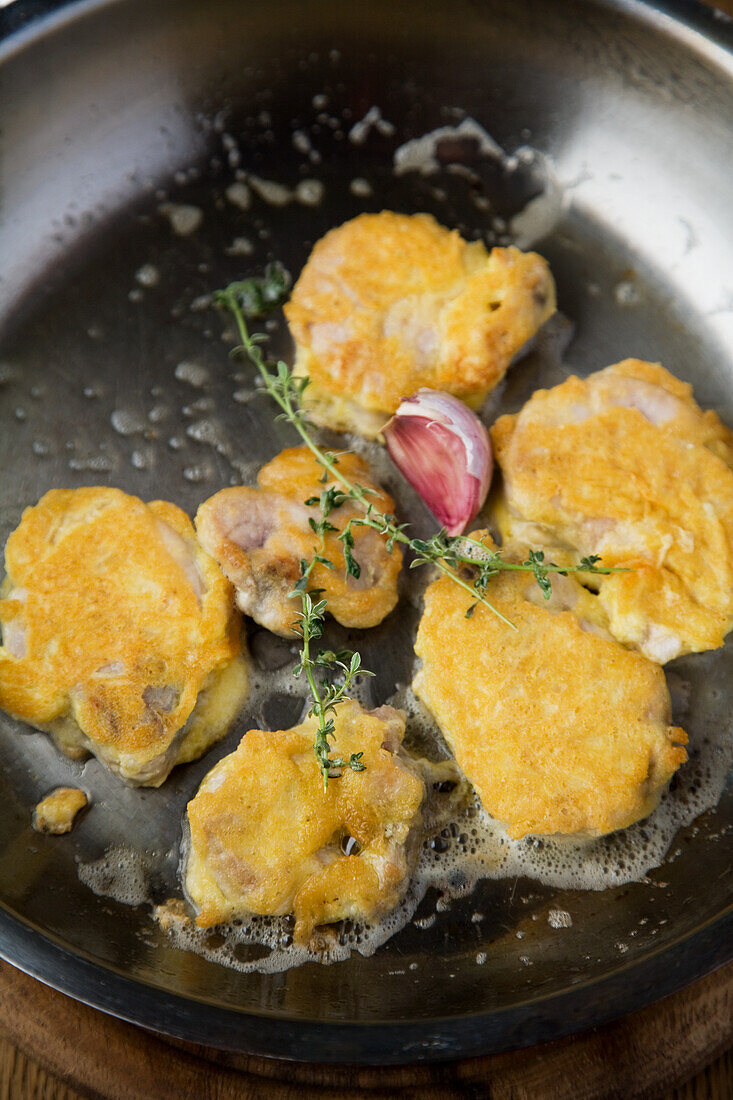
<point>286,391</point>
<point>325,696</point>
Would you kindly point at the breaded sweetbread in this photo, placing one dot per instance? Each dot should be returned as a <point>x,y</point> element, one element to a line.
<point>119,632</point>
<point>625,464</point>
<point>389,302</point>
<point>559,728</point>
<point>266,838</point>
<point>260,536</point>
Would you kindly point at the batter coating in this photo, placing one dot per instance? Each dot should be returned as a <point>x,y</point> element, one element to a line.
<point>55,814</point>
<point>389,302</point>
<point>559,728</point>
<point>266,838</point>
<point>260,536</point>
<point>119,635</point>
<point>626,465</point>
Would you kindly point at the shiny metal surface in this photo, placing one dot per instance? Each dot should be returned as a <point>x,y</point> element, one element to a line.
<point>110,109</point>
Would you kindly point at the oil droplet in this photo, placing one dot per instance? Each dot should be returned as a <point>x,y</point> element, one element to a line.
<point>147,275</point>
<point>361,188</point>
<point>197,473</point>
<point>309,192</point>
<point>240,246</point>
<point>184,219</point>
<point>276,194</point>
<point>96,464</point>
<point>192,373</point>
<point>202,404</point>
<point>198,305</point>
<point>140,459</point>
<point>627,293</point>
<point>239,195</point>
<point>125,422</point>
<point>373,118</point>
<point>301,142</point>
<point>204,431</point>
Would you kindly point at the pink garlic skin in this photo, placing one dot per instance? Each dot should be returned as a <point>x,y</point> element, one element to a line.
<point>444,451</point>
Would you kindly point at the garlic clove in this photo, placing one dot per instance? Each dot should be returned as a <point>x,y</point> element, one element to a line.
<point>444,451</point>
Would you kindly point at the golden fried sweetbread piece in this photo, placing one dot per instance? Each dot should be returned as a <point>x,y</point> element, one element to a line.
<point>626,465</point>
<point>389,302</point>
<point>55,814</point>
<point>559,728</point>
<point>266,838</point>
<point>259,537</point>
<point>119,632</point>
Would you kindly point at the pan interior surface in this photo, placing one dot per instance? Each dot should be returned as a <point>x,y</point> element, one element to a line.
<point>152,152</point>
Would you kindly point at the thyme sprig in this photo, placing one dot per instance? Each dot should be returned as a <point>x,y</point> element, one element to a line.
<point>451,554</point>
<point>309,625</point>
<point>468,562</point>
<point>251,298</point>
<point>326,696</point>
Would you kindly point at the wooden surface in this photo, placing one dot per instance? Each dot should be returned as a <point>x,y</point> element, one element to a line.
<point>22,1079</point>
<point>645,1056</point>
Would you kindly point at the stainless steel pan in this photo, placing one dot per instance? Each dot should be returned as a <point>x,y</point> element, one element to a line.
<point>114,108</point>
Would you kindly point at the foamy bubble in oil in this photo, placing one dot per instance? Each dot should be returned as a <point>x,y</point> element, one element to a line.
<point>121,874</point>
<point>483,849</point>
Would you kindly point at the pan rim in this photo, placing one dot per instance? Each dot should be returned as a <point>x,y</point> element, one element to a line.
<point>374,1042</point>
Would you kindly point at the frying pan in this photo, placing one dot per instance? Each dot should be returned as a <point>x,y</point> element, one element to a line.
<point>112,110</point>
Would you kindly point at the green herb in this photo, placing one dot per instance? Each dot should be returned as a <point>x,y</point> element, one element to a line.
<point>326,696</point>
<point>469,563</point>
